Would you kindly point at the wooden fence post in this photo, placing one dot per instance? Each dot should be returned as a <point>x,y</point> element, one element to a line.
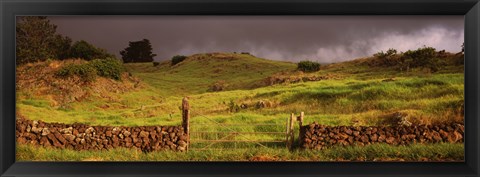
<point>301,130</point>
<point>290,131</point>
<point>300,119</point>
<point>185,119</point>
<point>287,133</point>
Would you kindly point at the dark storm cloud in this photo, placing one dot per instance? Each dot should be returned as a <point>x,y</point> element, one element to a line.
<point>320,38</point>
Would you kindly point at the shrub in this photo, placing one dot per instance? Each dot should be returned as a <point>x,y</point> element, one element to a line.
<point>308,66</point>
<point>86,51</point>
<point>232,107</point>
<point>110,67</point>
<point>389,52</point>
<point>156,63</point>
<point>218,86</point>
<point>388,58</point>
<point>177,59</point>
<point>422,57</point>
<point>84,71</point>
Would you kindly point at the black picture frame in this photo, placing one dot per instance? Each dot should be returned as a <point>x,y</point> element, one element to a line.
<point>9,9</point>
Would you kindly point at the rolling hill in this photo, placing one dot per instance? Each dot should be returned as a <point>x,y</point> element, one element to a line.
<point>199,73</point>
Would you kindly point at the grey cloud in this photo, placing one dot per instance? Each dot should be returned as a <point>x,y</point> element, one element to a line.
<point>293,38</point>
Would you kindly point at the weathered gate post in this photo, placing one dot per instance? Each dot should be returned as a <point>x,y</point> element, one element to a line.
<point>300,119</point>
<point>185,119</point>
<point>301,130</point>
<point>291,133</point>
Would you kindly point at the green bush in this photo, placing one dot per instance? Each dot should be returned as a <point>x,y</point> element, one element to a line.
<point>308,66</point>
<point>84,71</point>
<point>109,68</point>
<point>388,58</point>
<point>425,57</point>
<point>421,57</point>
<point>177,59</point>
<point>156,63</point>
<point>232,107</point>
<point>86,51</point>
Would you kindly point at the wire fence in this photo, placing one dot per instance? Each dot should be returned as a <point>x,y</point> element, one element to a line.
<point>216,135</point>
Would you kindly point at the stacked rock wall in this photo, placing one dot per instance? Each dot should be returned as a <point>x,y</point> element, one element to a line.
<point>84,137</point>
<point>315,136</point>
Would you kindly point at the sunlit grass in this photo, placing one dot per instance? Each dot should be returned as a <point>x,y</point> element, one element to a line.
<point>375,152</point>
<point>360,96</point>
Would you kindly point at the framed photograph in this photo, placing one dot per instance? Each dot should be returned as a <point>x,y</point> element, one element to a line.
<point>214,88</point>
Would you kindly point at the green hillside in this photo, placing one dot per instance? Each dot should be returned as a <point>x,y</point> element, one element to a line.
<point>198,73</point>
<point>340,94</point>
<point>254,91</point>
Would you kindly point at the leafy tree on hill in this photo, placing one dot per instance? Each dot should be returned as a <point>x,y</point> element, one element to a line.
<point>138,51</point>
<point>62,47</point>
<point>85,50</point>
<point>177,59</point>
<point>308,66</point>
<point>35,38</point>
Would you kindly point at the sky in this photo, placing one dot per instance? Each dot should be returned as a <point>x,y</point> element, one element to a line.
<point>324,39</point>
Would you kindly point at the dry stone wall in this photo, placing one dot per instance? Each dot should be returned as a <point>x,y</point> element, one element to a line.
<point>315,136</point>
<point>84,137</point>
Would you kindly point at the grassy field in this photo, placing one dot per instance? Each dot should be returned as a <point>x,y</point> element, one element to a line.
<point>353,94</point>
<point>375,152</point>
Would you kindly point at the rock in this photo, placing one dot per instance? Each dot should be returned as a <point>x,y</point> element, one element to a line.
<point>68,130</point>
<point>69,137</point>
<point>143,134</point>
<point>45,131</point>
<point>89,131</point>
<point>364,138</point>
<point>36,130</point>
<point>22,140</point>
<point>436,137</point>
<point>374,137</point>
<point>182,143</point>
<point>126,133</point>
<point>75,132</point>
<point>116,131</point>
<point>181,149</point>
<point>443,134</point>
<point>390,140</point>
<point>34,123</point>
<point>348,131</point>
<point>108,133</point>
<point>44,141</point>
<point>183,137</point>
<point>356,133</point>
<point>60,137</point>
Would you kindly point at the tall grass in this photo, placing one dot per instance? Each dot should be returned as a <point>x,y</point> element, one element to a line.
<point>359,97</point>
<point>374,152</point>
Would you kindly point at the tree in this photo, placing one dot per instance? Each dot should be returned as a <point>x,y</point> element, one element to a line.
<point>62,46</point>
<point>177,59</point>
<point>35,38</point>
<point>83,49</point>
<point>308,66</point>
<point>138,51</point>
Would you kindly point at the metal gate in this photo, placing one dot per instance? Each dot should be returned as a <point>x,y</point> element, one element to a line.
<point>213,134</point>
